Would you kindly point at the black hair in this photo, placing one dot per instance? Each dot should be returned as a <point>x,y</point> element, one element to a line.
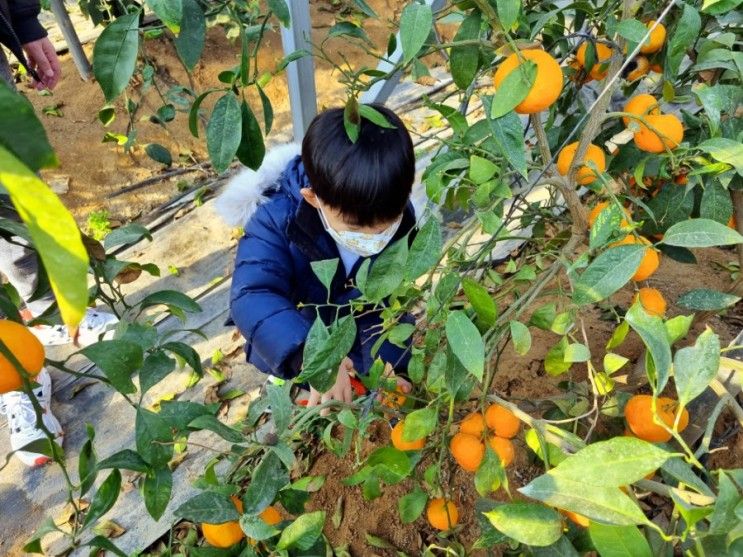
<point>369,181</point>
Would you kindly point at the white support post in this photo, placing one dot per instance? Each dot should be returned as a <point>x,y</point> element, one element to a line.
<point>71,38</point>
<point>300,73</point>
<point>381,90</point>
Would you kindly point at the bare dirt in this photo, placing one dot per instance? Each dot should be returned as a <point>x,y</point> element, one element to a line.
<point>95,171</point>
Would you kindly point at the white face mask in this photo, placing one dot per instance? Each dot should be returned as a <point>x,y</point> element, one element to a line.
<point>361,243</point>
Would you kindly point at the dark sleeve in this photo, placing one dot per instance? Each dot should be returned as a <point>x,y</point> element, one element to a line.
<point>261,301</point>
<point>24,16</point>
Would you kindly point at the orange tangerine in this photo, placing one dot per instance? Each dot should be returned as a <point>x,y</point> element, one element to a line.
<point>547,85</point>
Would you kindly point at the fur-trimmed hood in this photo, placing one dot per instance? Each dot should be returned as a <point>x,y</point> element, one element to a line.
<point>246,191</point>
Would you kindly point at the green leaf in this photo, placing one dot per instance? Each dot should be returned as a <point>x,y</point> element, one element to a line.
<point>606,274</point>
<point>521,337</point>
<point>210,507</point>
<point>678,327</point>
<point>324,351</point>
<point>561,548</point>
<point>576,352</point>
<point>104,498</point>
<point>653,334</point>
<point>527,523</point>
<point>466,343</point>
<point>374,116</point>
<point>99,542</point>
<point>170,13</point>
<point>411,506</point>
<point>616,462</point>
<point>400,334</point>
<point>717,7</point>
<point>491,474</point>
<point>173,299</point>
<point>33,545</point>
<point>686,32</point>
<point>126,235</point>
<point>602,503</point>
<point>303,532</point>
<point>256,528</point>
<point>619,541</point>
<point>252,149</point>
<point>365,8</point>
<point>508,137</point>
<point>281,10</point>
<point>115,55</point>
<point>281,405</point>
<point>126,460</point>
<point>607,222</point>
<point>156,366</point>
<point>704,299</point>
<point>481,169</point>
<point>190,41</point>
<point>187,353</point>
<point>153,437</point>
<point>118,359</point>
<point>716,203</point>
<point>425,250</point>
<point>613,362</point>
<point>508,12</point>
<point>544,316</point>
<point>212,423</point>
<point>224,132</point>
<point>632,30</point>
<point>464,61</point>
<point>416,23</point>
<point>21,133</point>
<point>55,236</point>
<point>420,423</point>
<point>694,367</point>
<point>387,271</point>
<point>481,300</point>
<point>725,150</point>
<point>325,270</point>
<point>156,489</point>
<point>266,481</point>
<point>554,362</point>
<point>87,463</point>
<point>158,153</point>
<point>701,233</point>
<point>513,89</point>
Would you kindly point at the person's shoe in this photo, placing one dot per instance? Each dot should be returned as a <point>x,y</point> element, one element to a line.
<point>17,406</point>
<point>96,325</point>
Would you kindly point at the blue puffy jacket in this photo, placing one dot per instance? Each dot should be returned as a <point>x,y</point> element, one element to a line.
<point>283,235</point>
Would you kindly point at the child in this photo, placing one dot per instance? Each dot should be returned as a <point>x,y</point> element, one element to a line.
<point>338,200</point>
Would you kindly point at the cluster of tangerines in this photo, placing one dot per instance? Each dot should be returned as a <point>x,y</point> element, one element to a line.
<point>496,427</point>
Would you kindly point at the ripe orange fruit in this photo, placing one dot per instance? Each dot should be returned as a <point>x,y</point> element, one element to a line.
<point>442,514</point>
<point>670,133</point>
<point>394,399</point>
<point>400,444</point>
<point>227,534</point>
<point>642,105</point>
<point>270,515</point>
<point>594,214</point>
<point>467,450</point>
<point>642,66</point>
<point>547,85</point>
<point>650,261</point>
<point>657,68</point>
<point>656,39</point>
<point>731,222</point>
<point>578,519</point>
<point>502,421</point>
<point>652,300</point>
<point>585,174</point>
<point>26,348</point>
<point>639,415</point>
<point>473,423</point>
<point>601,62</point>
<point>681,179</point>
<point>503,448</point>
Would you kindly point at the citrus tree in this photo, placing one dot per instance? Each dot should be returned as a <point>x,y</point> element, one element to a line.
<point>593,140</point>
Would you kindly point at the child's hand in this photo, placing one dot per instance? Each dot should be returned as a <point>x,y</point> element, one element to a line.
<point>341,391</point>
<point>403,385</point>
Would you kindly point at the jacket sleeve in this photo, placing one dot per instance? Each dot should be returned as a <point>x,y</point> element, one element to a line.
<point>261,300</point>
<point>24,16</point>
